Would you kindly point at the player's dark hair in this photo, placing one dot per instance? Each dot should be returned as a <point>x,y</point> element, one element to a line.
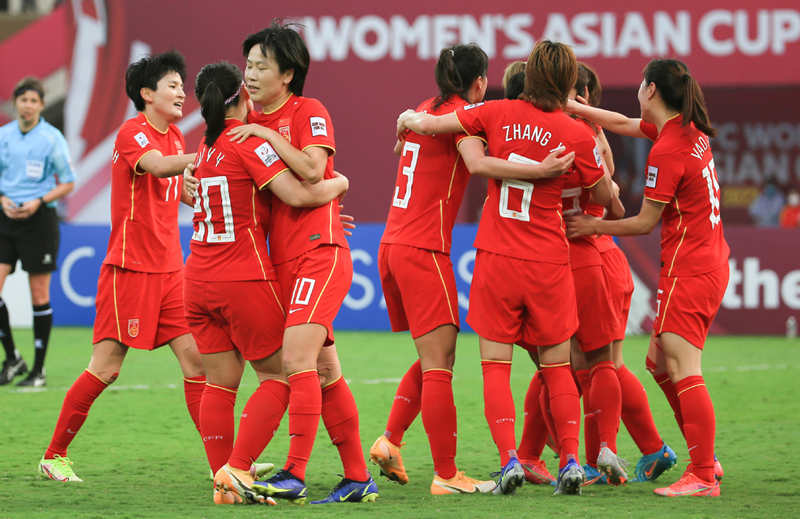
<point>680,92</point>
<point>515,85</point>
<point>550,74</point>
<point>588,82</point>
<point>284,44</point>
<point>217,87</point>
<point>29,83</point>
<point>148,71</point>
<point>458,67</point>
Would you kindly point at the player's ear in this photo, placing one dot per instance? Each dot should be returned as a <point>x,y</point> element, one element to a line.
<point>147,94</point>
<point>287,76</point>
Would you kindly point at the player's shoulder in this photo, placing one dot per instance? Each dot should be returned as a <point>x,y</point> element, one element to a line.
<point>308,104</point>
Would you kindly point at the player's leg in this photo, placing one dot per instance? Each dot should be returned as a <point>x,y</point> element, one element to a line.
<point>223,373</point>
<point>103,369</point>
<point>13,364</point>
<point>184,348</point>
<point>42,325</point>
<point>535,430</point>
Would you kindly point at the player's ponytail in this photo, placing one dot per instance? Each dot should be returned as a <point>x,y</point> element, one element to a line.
<point>217,87</point>
<point>458,67</point>
<point>680,92</point>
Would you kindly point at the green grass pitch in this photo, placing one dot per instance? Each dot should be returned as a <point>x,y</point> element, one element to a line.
<point>140,456</point>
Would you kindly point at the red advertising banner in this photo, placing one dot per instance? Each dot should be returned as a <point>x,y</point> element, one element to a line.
<point>764,287</point>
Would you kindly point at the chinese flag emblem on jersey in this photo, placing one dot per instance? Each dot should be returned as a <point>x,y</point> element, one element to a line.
<point>133,327</point>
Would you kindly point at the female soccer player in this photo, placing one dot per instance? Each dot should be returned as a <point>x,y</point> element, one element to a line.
<point>312,260</point>
<point>681,186</point>
<point>417,275</point>
<point>230,291</point>
<point>522,289</point>
<point>139,291</point>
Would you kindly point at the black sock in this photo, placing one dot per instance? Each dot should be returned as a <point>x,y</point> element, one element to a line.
<point>5,332</point>
<point>42,323</point>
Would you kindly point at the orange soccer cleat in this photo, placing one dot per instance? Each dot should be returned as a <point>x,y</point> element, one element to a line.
<point>387,456</point>
<point>690,485</point>
<point>460,484</point>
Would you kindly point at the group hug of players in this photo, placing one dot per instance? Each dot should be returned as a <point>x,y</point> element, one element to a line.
<point>270,266</point>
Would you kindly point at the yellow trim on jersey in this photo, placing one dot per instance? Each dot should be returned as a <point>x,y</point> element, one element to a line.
<point>440,369</point>
<point>258,256</point>
<point>656,200</point>
<point>253,205</point>
<point>680,221</point>
<point>321,146</point>
<point>688,388</point>
<point>496,361</point>
<point>335,260</point>
<point>276,175</point>
<point>133,191</point>
<point>330,221</point>
<point>281,106</point>
<point>444,286</point>
<point>228,389</point>
<point>471,137</point>
<point>116,309</point>
<point>452,177</point>
<point>557,365</point>
<point>592,186</point>
<point>277,299</point>
<point>153,126</point>
<point>462,127</point>
<point>441,222</point>
<point>124,236</point>
<point>329,384</point>
<point>666,306</point>
<point>136,164</point>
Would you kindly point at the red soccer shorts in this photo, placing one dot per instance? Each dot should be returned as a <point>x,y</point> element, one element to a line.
<point>314,284</point>
<point>419,287</point>
<point>687,305</point>
<point>514,300</point>
<point>596,316</point>
<point>242,315</point>
<point>142,310</point>
<point>620,287</point>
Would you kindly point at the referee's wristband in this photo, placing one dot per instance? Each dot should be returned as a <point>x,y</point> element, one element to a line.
<point>41,199</point>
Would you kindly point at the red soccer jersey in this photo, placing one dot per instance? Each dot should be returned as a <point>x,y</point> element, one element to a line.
<point>144,209</point>
<point>523,219</point>
<point>228,243</point>
<point>681,174</point>
<point>304,122</point>
<point>431,179</point>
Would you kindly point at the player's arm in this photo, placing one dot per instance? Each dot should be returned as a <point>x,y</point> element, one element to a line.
<point>605,151</point>
<point>427,124</point>
<point>162,166</point>
<point>642,223</point>
<point>190,185</point>
<point>612,121</point>
<point>478,163</point>
<point>304,194</point>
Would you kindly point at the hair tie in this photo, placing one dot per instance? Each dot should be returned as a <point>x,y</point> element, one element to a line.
<point>231,98</point>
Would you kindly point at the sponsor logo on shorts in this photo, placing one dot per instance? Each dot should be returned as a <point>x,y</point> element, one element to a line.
<point>318,126</point>
<point>266,154</point>
<point>652,176</point>
<point>133,328</point>
<point>141,138</point>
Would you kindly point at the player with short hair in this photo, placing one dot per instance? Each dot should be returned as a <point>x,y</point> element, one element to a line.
<point>139,291</point>
<point>521,232</point>
<point>682,188</point>
<point>35,171</point>
<point>314,268</point>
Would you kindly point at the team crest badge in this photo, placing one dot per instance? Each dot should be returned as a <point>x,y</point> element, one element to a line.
<point>283,129</point>
<point>133,327</point>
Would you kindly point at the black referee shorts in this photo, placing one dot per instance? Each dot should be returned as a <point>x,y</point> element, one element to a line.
<point>34,241</point>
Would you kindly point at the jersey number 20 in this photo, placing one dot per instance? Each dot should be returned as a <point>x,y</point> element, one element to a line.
<point>202,201</point>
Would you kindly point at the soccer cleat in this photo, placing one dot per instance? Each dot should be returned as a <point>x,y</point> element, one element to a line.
<point>59,469</point>
<point>229,480</point>
<point>592,476</point>
<point>259,470</point>
<point>33,379</point>
<point>387,456</point>
<point>612,466</point>
<point>650,466</point>
<point>283,485</point>
<point>536,471</point>
<point>12,368</point>
<point>718,472</point>
<point>570,479</point>
<point>349,491</point>
<point>690,485</point>
<point>460,484</point>
<point>509,478</point>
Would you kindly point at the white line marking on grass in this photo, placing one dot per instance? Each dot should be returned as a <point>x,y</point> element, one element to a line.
<point>380,381</point>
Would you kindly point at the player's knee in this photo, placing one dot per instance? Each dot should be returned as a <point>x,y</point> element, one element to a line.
<point>650,365</point>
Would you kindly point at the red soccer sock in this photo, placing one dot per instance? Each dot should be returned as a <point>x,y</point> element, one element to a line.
<point>498,407</point>
<point>340,415</point>
<point>699,424</point>
<point>668,388</point>
<point>565,408</point>
<point>544,405</point>
<point>534,432</point>
<point>606,402</point>
<point>216,423</point>
<point>591,440</point>
<point>260,418</point>
<point>440,420</point>
<point>636,412</point>
<point>193,388</point>
<point>74,411</point>
<point>305,407</point>
<point>406,404</point>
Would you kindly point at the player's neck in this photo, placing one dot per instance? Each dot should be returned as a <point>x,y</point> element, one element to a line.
<point>271,107</point>
<point>662,117</point>
<point>156,120</point>
<point>26,126</point>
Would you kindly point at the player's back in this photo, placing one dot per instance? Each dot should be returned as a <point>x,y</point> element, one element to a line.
<point>431,179</point>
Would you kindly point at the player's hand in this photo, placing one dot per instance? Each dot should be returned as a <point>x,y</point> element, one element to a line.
<point>556,165</point>
<point>347,222</point>
<point>346,180</point>
<point>190,182</point>
<point>239,134</point>
<point>401,122</point>
<point>580,225</point>
<point>28,209</point>
<point>574,105</point>
<point>10,209</point>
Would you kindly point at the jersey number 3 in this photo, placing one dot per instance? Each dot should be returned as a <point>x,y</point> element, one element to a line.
<point>202,204</point>
<point>408,171</point>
